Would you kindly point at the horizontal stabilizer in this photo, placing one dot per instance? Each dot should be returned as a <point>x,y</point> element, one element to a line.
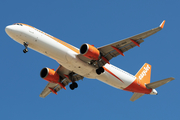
<point>159,83</point>
<point>136,96</point>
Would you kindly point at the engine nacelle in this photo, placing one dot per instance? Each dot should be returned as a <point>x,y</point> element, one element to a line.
<point>90,51</point>
<point>50,75</point>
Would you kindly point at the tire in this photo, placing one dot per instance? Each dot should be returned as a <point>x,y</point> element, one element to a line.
<point>101,69</point>
<point>98,71</point>
<point>71,87</point>
<point>75,85</point>
<point>24,51</point>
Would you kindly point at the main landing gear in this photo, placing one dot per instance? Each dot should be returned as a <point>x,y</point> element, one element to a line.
<point>100,70</point>
<point>73,85</point>
<point>26,46</point>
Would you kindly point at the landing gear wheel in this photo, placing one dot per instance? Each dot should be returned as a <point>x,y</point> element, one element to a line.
<point>25,50</point>
<point>26,46</point>
<point>100,70</point>
<point>73,85</point>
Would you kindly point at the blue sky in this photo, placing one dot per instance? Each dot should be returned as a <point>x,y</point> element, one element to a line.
<point>97,22</point>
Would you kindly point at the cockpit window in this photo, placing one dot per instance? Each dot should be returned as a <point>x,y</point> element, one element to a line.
<point>18,24</point>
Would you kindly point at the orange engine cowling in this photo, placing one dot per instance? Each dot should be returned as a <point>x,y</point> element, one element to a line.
<point>50,75</point>
<point>90,51</point>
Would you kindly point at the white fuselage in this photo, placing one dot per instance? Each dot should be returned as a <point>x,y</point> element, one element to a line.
<point>66,55</point>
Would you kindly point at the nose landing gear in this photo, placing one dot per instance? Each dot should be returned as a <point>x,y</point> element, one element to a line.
<point>26,47</point>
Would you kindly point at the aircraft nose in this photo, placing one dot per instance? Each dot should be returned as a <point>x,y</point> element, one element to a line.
<point>9,29</point>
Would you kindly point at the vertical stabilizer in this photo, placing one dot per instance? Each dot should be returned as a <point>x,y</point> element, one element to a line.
<point>144,74</point>
<point>143,77</point>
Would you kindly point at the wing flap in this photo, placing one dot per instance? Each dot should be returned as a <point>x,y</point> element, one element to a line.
<point>127,41</point>
<point>125,47</point>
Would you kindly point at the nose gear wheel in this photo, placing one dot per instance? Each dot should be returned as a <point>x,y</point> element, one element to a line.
<point>26,47</point>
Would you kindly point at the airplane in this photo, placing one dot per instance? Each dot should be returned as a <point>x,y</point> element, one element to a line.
<point>88,61</point>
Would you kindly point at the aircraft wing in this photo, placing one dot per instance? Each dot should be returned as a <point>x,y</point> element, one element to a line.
<point>61,70</point>
<point>114,49</point>
<point>47,91</point>
<point>126,44</point>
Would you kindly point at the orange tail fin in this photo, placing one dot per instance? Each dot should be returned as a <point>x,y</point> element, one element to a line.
<point>144,74</point>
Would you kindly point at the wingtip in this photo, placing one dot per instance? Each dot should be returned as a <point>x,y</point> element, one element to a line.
<point>162,24</point>
<point>172,78</point>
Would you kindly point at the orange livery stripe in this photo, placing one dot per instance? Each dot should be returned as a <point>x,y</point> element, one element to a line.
<point>112,74</point>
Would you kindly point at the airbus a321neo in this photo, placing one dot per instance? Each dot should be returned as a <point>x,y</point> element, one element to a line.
<point>88,61</point>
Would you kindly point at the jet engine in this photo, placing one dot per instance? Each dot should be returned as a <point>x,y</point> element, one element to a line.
<point>90,51</point>
<point>50,75</point>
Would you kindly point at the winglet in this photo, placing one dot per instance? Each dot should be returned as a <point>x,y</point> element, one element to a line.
<point>162,24</point>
